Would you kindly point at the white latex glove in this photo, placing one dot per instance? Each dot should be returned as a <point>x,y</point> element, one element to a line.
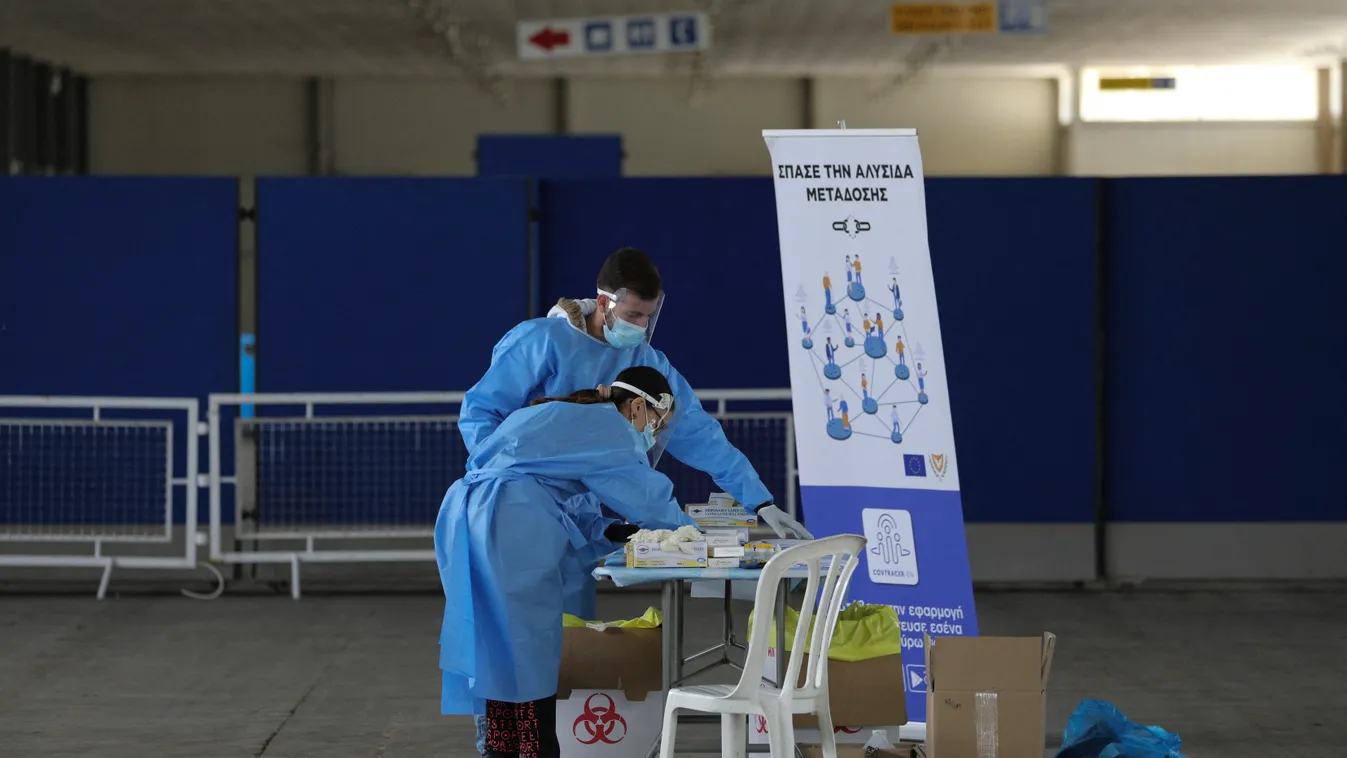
<point>785,527</point>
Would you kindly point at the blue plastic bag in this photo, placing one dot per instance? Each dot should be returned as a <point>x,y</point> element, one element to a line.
<point>1099,730</point>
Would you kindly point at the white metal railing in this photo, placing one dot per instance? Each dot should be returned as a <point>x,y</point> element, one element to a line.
<point>314,468</point>
<point>72,486</point>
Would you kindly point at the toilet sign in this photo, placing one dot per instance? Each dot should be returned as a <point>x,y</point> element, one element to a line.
<point>552,39</point>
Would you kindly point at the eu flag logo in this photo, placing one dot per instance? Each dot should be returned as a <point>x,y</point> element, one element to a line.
<point>914,465</point>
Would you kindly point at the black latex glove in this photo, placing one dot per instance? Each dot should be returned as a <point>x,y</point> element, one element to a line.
<point>620,533</point>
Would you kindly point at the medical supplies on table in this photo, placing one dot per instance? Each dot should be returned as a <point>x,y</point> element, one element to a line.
<point>661,548</point>
<point>723,520</point>
<point>713,517</point>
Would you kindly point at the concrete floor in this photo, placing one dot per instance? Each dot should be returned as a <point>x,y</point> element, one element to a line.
<point>1237,674</point>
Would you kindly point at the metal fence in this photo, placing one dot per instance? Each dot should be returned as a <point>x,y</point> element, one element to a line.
<point>81,477</point>
<point>334,470</point>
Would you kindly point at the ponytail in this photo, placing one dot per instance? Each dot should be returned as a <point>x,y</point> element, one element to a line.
<point>605,394</point>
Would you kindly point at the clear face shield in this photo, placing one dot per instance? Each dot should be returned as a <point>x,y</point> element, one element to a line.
<point>664,415</point>
<point>628,318</point>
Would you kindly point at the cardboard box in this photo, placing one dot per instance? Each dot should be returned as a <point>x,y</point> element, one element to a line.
<point>727,552</point>
<point>859,693</point>
<point>734,517</point>
<point>985,689</point>
<point>651,555</point>
<point>609,698</point>
<point>722,563</point>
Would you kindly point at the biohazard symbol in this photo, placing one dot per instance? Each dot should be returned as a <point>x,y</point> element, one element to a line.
<point>599,722</point>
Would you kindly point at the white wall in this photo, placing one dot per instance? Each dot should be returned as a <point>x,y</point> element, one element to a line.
<point>667,133</point>
<point>967,127</point>
<point>391,126</point>
<point>1191,149</point>
<point>190,125</point>
<point>427,126</point>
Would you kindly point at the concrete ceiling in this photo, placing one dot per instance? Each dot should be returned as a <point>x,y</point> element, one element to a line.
<point>751,37</point>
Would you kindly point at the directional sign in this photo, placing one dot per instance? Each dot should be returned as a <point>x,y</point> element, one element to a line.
<point>1022,16</point>
<point>551,39</point>
<point>943,18</point>
<point>969,17</point>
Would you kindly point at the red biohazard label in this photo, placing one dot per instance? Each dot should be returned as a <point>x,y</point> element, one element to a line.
<point>599,722</point>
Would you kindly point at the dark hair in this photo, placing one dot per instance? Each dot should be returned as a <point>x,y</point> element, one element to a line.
<point>632,270</point>
<point>643,378</point>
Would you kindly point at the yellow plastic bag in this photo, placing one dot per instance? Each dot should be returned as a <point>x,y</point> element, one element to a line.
<point>863,632</point>
<point>651,619</point>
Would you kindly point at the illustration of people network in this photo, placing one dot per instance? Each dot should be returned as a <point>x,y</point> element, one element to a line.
<point>853,377</point>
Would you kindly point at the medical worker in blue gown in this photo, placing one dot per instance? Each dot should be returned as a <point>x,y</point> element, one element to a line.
<point>583,343</point>
<point>529,499</point>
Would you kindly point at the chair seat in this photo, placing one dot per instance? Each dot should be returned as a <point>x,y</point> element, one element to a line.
<point>715,698</point>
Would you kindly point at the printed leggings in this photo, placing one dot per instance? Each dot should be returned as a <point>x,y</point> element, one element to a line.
<point>527,730</point>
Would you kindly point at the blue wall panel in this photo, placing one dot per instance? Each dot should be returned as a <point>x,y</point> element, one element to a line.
<point>386,284</point>
<point>118,286</point>
<point>1015,277</point>
<point>122,286</point>
<point>1226,349</point>
<point>550,156</point>
<point>714,241</point>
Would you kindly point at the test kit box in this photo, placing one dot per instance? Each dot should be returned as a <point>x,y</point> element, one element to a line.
<point>722,517</point>
<point>652,555</point>
<point>728,538</point>
<point>987,693</point>
<point>609,698</point>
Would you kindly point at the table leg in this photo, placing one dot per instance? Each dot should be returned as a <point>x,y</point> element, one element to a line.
<point>782,597</point>
<point>671,652</point>
<point>679,600</point>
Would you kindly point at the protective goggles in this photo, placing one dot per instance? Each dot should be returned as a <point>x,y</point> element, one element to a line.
<point>663,404</point>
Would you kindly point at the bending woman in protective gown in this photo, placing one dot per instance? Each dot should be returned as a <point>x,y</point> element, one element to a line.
<point>532,492</point>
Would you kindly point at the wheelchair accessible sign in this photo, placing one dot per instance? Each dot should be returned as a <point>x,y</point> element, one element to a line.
<point>552,39</point>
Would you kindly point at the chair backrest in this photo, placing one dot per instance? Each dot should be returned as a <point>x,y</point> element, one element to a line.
<point>824,592</point>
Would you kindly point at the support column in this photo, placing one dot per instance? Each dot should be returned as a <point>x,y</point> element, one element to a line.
<point>1323,125</point>
<point>1068,120</point>
<point>8,149</point>
<point>321,127</point>
<point>561,106</point>
<point>1342,117</point>
<point>807,100</point>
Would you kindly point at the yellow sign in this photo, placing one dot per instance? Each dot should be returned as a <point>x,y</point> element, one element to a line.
<point>943,18</point>
<point>1120,83</point>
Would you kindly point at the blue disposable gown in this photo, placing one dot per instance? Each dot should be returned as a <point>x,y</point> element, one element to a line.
<point>530,497</point>
<point>548,356</point>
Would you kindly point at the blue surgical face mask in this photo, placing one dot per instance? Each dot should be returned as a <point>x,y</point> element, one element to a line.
<point>623,335</point>
<point>648,438</point>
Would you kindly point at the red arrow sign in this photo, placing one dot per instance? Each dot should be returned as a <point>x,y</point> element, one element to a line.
<point>548,38</point>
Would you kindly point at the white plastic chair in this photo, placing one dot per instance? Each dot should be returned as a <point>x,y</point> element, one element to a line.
<point>735,703</point>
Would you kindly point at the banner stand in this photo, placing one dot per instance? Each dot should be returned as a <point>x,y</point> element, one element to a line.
<point>873,433</point>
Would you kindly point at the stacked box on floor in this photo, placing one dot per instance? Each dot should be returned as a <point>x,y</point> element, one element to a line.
<point>987,695</point>
<point>610,702</point>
